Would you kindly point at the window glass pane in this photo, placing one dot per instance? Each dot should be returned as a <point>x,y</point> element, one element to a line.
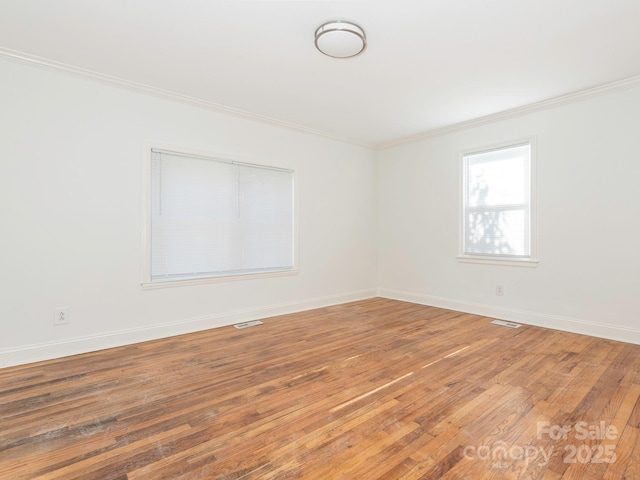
<point>497,232</point>
<point>499,181</point>
<point>497,202</point>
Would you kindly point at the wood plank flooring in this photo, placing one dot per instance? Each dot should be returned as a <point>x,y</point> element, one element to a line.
<point>376,389</point>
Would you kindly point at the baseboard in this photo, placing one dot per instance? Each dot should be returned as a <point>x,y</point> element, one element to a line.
<point>74,346</point>
<point>554,322</point>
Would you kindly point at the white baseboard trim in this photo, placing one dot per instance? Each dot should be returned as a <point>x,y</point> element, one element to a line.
<point>611,332</point>
<point>74,346</point>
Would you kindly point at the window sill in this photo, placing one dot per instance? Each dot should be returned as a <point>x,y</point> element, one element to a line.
<point>148,285</point>
<point>497,261</point>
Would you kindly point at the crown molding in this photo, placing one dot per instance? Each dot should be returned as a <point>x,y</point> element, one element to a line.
<point>33,60</point>
<point>21,57</point>
<point>585,94</point>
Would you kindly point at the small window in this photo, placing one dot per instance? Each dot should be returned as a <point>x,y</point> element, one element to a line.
<point>216,218</point>
<point>497,207</point>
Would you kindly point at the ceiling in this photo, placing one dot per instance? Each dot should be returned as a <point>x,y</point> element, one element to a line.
<point>429,63</point>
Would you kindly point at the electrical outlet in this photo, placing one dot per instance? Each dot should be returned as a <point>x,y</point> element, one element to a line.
<point>499,290</point>
<point>61,316</point>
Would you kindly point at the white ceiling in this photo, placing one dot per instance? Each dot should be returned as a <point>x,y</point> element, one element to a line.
<point>429,63</point>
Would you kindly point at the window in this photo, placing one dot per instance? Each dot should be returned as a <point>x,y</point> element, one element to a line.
<point>497,207</point>
<point>216,218</point>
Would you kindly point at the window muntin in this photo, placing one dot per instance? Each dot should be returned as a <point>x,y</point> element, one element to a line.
<point>497,203</point>
<point>213,218</point>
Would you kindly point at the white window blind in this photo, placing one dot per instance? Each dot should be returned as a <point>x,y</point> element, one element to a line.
<point>497,202</point>
<point>212,218</point>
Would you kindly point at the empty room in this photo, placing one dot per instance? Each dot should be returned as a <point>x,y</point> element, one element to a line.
<point>362,240</point>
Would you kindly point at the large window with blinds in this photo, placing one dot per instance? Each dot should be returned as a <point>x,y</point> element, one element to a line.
<point>212,218</point>
<point>497,214</point>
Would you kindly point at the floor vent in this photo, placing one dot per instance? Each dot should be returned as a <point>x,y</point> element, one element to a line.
<point>506,324</point>
<point>248,324</point>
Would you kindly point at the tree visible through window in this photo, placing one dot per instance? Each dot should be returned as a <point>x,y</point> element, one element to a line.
<point>497,202</point>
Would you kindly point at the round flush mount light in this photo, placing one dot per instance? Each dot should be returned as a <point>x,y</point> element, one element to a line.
<point>340,39</point>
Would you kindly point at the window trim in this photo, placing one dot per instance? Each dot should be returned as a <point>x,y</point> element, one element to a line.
<point>147,283</point>
<point>503,260</point>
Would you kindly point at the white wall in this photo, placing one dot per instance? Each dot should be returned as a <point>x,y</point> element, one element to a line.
<point>588,166</point>
<point>71,153</point>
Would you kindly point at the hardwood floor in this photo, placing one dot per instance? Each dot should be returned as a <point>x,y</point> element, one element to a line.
<point>377,389</point>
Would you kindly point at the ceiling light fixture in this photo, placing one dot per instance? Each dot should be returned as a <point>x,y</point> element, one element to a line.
<point>340,39</point>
